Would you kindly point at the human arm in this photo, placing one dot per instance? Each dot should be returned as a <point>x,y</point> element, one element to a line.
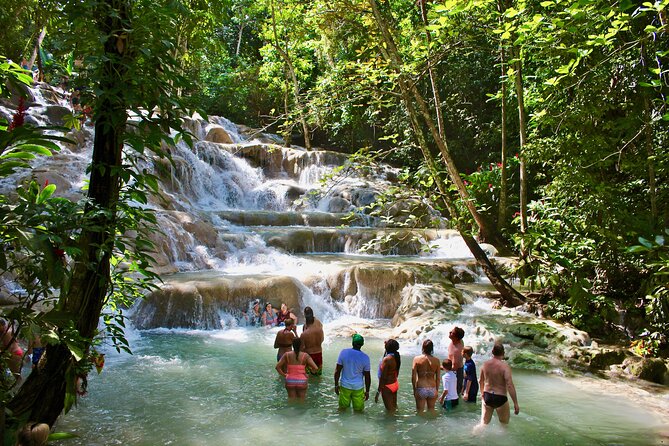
<point>466,391</point>
<point>414,375</point>
<point>337,373</point>
<point>281,365</point>
<point>368,383</point>
<point>482,379</point>
<point>511,389</point>
<point>276,340</point>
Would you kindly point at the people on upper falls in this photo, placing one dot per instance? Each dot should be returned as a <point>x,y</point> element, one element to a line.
<point>254,315</point>
<point>285,313</point>
<point>269,316</point>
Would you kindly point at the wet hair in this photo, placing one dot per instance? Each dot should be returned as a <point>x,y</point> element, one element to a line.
<point>428,347</point>
<point>468,350</point>
<point>498,349</point>
<point>447,364</point>
<point>268,304</point>
<point>392,346</point>
<point>288,322</point>
<point>297,343</point>
<point>309,315</point>
<point>459,332</point>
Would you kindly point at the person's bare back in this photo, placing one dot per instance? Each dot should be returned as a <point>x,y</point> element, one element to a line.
<point>312,337</point>
<point>495,381</point>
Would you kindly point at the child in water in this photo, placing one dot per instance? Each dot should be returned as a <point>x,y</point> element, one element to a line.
<point>449,397</point>
<point>471,384</point>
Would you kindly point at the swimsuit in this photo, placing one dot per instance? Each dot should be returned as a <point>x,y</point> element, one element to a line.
<point>318,359</point>
<point>296,376</point>
<point>37,354</point>
<point>281,317</point>
<point>393,387</point>
<point>426,392</point>
<point>18,352</point>
<point>494,401</point>
<point>269,321</point>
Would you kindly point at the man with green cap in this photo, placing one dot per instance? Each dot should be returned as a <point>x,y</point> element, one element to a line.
<point>352,366</point>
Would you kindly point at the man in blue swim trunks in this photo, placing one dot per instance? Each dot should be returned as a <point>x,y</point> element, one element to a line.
<point>353,367</point>
<point>495,380</point>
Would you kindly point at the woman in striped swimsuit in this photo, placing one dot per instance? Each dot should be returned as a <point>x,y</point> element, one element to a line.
<point>295,364</point>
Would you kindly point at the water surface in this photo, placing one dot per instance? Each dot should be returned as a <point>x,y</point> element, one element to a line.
<point>220,387</point>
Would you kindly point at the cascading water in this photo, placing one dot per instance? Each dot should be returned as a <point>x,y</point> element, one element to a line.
<point>243,218</point>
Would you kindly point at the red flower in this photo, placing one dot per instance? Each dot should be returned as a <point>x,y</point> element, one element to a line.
<point>490,186</point>
<point>46,182</point>
<point>499,165</point>
<point>19,117</point>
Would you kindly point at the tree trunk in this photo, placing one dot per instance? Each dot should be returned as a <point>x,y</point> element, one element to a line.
<point>290,71</point>
<point>42,396</point>
<point>488,232</point>
<point>509,295</point>
<point>433,81</point>
<point>504,187</point>
<point>38,43</point>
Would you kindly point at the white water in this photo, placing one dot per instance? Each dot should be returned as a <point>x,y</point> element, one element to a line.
<point>219,387</point>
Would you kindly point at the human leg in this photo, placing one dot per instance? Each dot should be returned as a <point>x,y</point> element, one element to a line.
<point>358,400</point>
<point>504,413</point>
<point>344,398</point>
<point>486,413</point>
<point>389,399</point>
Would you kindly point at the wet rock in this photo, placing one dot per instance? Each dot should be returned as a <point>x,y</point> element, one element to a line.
<point>529,360</point>
<point>196,303</point>
<point>56,114</point>
<point>218,135</point>
<point>603,358</point>
<point>649,369</point>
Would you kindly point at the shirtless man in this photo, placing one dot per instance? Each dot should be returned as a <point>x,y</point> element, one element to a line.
<point>284,338</point>
<point>495,381</point>
<point>455,355</point>
<point>312,339</point>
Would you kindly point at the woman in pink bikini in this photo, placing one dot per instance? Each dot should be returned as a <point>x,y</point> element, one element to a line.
<point>296,363</point>
<point>389,369</point>
<point>9,344</point>
<point>425,374</point>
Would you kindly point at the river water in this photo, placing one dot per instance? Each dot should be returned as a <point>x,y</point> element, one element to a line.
<point>220,387</point>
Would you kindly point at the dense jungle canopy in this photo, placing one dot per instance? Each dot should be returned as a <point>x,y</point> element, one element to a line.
<point>540,126</point>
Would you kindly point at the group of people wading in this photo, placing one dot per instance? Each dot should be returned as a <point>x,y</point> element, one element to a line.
<point>299,356</point>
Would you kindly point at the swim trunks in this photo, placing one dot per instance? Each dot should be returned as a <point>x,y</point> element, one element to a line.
<point>355,397</point>
<point>494,401</point>
<point>450,404</point>
<point>296,376</point>
<point>37,354</point>
<point>318,359</point>
<point>426,392</point>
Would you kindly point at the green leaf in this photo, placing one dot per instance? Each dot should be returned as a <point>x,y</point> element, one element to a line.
<point>46,193</point>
